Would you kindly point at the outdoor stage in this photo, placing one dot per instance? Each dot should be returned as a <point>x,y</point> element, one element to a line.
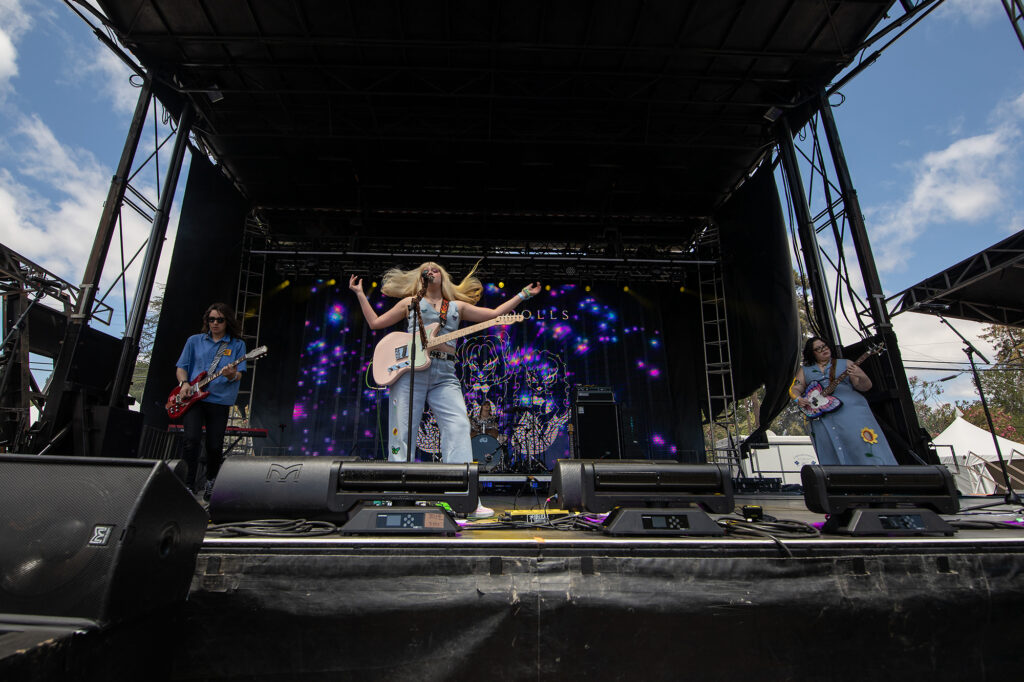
<point>543,604</point>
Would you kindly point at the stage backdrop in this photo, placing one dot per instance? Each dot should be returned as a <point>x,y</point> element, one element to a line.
<point>574,335</point>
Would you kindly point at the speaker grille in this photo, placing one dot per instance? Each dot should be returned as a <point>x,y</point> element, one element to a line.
<point>73,543</point>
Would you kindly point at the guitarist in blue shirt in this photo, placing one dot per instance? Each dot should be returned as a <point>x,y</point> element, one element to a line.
<point>217,345</point>
<point>848,433</point>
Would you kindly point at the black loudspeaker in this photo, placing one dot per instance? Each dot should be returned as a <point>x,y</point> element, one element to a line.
<point>596,430</point>
<point>89,541</point>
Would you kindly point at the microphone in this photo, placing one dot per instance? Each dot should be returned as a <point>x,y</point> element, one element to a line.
<point>426,276</point>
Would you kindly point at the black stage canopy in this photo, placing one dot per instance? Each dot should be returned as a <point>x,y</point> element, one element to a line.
<point>987,287</point>
<point>379,120</point>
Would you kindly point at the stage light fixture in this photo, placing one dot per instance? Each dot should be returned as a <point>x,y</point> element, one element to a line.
<point>881,500</point>
<point>645,497</point>
<point>368,496</point>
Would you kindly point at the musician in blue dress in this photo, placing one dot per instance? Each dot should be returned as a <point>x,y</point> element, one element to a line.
<point>446,303</point>
<point>849,434</point>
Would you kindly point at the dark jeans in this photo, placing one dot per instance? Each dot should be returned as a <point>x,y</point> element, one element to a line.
<point>215,417</point>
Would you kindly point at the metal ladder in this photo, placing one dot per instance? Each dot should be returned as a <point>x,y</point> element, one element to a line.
<point>249,305</point>
<point>717,357</point>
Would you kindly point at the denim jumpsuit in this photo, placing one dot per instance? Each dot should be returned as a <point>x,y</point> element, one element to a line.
<point>438,387</point>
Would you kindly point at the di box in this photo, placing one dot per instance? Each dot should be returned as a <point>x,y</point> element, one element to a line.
<point>89,541</point>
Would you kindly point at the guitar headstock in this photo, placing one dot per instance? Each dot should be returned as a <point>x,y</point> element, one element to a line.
<point>509,319</point>
<point>257,352</point>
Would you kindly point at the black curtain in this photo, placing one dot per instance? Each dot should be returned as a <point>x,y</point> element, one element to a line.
<point>283,318</point>
<point>764,331</point>
<point>683,343</point>
<point>204,269</point>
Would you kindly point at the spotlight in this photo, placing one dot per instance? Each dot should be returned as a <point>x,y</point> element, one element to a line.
<point>881,500</point>
<point>646,497</point>
<point>361,493</point>
<point>625,288</point>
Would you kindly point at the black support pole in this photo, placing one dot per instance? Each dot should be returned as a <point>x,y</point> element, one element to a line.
<point>112,209</point>
<point>157,232</point>
<point>808,238</point>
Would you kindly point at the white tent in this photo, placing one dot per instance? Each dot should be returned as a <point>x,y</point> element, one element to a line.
<point>970,454</point>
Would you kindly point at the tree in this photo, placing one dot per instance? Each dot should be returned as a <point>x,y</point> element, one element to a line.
<point>1004,382</point>
<point>141,371</point>
<point>933,419</point>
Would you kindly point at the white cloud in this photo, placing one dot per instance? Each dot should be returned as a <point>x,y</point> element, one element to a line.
<point>51,199</point>
<point>14,21</point>
<point>975,12</point>
<point>109,76</point>
<point>967,182</point>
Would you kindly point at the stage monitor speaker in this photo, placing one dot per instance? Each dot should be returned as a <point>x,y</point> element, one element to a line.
<point>89,541</point>
<point>596,430</point>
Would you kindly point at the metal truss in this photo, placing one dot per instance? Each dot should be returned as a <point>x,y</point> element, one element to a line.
<point>951,288</point>
<point>616,260</point>
<point>142,187</point>
<point>1015,11</point>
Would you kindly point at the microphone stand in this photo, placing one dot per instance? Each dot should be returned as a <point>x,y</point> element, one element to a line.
<point>417,326</point>
<point>1011,496</point>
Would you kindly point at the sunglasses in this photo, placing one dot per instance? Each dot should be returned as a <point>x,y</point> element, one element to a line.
<point>216,320</point>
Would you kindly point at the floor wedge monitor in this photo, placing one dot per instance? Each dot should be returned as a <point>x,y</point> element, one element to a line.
<point>89,541</point>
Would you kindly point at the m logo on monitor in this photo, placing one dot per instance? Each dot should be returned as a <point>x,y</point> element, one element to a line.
<point>283,473</point>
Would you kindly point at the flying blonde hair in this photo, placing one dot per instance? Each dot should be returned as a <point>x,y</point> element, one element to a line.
<point>400,283</point>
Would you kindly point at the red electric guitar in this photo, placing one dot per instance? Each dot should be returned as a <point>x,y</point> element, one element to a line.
<point>821,398</point>
<point>177,406</point>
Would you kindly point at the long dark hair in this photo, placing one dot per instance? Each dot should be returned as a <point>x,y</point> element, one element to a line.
<point>231,325</point>
<point>809,358</point>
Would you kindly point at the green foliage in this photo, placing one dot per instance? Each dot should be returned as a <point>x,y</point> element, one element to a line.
<point>141,370</point>
<point>1003,384</point>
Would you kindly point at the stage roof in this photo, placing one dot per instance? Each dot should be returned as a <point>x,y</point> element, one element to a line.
<point>639,117</point>
<point>987,287</point>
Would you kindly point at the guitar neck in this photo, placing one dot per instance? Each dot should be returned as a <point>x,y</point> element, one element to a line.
<point>465,331</point>
<point>835,383</point>
<point>220,371</point>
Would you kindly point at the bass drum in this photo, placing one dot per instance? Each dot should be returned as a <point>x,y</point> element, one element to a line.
<point>486,452</point>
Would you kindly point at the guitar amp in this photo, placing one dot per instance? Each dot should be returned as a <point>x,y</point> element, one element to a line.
<point>593,394</point>
<point>596,432</point>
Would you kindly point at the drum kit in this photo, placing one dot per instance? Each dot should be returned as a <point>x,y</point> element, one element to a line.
<point>490,445</point>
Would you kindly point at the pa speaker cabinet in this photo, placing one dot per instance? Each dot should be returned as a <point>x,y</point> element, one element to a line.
<point>596,430</point>
<point>88,541</point>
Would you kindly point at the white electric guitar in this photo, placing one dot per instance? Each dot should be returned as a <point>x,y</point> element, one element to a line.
<point>393,355</point>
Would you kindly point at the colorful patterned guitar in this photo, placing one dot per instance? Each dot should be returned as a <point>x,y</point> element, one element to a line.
<point>821,398</point>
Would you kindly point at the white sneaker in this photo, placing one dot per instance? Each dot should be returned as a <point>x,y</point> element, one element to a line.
<point>481,512</point>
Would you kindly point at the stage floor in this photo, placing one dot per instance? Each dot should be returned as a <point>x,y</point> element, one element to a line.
<point>538,604</point>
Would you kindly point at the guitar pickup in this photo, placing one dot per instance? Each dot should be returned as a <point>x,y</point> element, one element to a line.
<point>401,353</point>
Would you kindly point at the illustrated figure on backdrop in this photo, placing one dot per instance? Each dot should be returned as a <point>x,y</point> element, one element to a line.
<point>447,304</point>
<point>217,345</point>
<point>850,434</point>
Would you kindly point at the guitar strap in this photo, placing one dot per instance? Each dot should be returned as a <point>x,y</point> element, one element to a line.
<point>216,357</point>
<point>443,313</point>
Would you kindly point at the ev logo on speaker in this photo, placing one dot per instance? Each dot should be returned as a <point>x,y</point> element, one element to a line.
<point>101,535</point>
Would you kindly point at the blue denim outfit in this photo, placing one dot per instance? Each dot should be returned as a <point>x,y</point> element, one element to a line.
<point>437,386</point>
<point>837,435</point>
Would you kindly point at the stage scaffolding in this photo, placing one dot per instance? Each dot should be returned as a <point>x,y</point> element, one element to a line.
<point>620,248</point>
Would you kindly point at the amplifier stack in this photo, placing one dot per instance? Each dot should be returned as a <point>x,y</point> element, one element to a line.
<point>595,423</point>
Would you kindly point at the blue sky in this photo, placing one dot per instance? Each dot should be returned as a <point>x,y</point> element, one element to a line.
<point>933,133</point>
